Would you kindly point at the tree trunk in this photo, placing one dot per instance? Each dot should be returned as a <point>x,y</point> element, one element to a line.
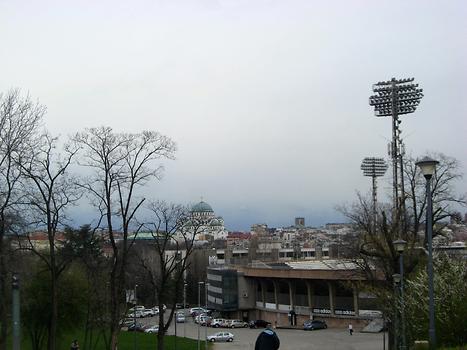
<point>3,296</point>
<point>114,308</point>
<point>160,338</point>
<point>51,342</point>
<point>391,343</point>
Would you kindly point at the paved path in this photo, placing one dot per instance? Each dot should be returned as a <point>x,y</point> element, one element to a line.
<point>325,339</point>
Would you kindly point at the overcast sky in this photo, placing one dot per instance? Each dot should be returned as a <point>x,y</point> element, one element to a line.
<point>267,100</point>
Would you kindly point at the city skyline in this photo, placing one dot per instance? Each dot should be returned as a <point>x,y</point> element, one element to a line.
<point>267,101</point>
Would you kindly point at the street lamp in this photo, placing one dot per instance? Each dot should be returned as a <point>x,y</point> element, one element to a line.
<point>396,279</point>
<point>399,246</point>
<point>199,307</point>
<point>184,309</point>
<point>134,317</point>
<point>206,286</point>
<point>428,168</point>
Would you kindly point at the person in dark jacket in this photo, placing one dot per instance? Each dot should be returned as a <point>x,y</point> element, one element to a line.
<point>267,340</point>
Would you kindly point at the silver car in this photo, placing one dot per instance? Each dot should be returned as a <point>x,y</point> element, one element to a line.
<point>221,336</point>
<point>180,317</point>
<point>152,329</point>
<point>238,324</point>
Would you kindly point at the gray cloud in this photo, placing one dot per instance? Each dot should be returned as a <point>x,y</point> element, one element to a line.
<point>267,100</point>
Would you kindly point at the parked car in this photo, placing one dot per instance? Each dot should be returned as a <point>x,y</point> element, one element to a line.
<point>180,317</point>
<point>137,308</point>
<point>259,324</point>
<point>135,313</point>
<point>205,321</point>
<point>152,329</point>
<point>194,311</point>
<point>127,322</point>
<point>149,313</point>
<point>311,325</point>
<point>221,336</point>
<point>217,322</point>
<point>238,324</point>
<point>136,327</point>
<point>225,323</point>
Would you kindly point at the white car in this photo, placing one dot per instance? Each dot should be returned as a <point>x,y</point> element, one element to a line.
<point>136,308</point>
<point>221,336</point>
<point>199,317</point>
<point>194,311</point>
<point>152,329</point>
<point>149,312</point>
<point>217,322</point>
<point>136,313</point>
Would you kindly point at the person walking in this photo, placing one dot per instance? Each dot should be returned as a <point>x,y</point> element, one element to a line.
<point>267,340</point>
<point>350,329</point>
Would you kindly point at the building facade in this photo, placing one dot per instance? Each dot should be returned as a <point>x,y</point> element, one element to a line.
<point>325,290</point>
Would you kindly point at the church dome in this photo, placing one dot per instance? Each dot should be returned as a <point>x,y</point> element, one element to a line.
<point>202,207</point>
<point>215,222</point>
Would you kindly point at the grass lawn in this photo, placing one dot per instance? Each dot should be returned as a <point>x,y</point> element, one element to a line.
<point>148,342</point>
<point>126,342</point>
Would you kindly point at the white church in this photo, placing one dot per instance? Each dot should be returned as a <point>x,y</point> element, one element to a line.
<point>208,225</point>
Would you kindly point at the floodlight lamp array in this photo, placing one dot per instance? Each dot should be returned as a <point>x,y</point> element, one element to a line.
<point>374,167</point>
<point>395,97</point>
<point>395,81</point>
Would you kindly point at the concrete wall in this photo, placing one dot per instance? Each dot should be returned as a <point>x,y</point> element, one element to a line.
<point>246,293</point>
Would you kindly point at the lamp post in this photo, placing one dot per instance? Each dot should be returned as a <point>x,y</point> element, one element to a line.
<point>175,325</point>
<point>206,286</point>
<point>400,245</point>
<point>134,317</point>
<point>199,306</point>
<point>428,167</point>
<point>396,279</point>
<point>184,309</point>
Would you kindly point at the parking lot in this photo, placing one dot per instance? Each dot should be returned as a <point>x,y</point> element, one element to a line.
<point>291,339</point>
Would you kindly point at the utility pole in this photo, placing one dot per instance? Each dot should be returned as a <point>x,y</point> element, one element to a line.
<point>374,167</point>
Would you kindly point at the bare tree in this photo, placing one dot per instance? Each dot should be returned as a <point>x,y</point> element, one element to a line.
<point>174,231</point>
<point>84,246</point>
<point>48,190</point>
<point>19,121</point>
<point>375,250</point>
<point>445,199</point>
<point>121,163</point>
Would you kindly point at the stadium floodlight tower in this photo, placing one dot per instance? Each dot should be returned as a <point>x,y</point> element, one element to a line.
<point>374,167</point>
<point>394,98</point>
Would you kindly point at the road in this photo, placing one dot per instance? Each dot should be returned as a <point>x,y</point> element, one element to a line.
<point>326,339</point>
